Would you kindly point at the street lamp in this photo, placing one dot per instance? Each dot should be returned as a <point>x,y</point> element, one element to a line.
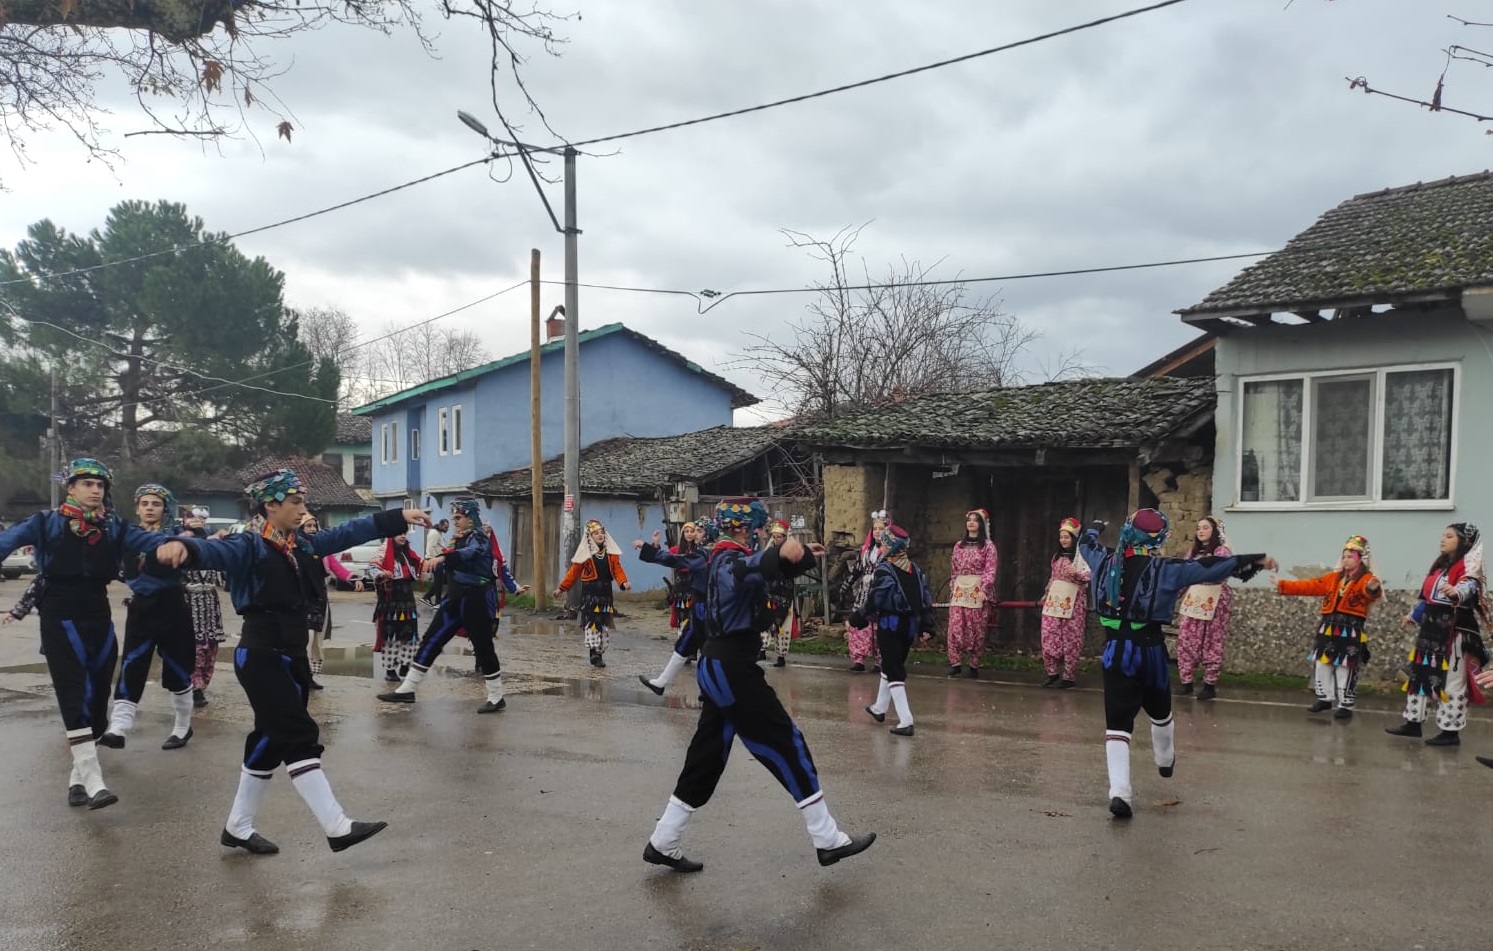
<point>569,523</point>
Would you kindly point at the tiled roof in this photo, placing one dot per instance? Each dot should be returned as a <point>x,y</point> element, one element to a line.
<point>1074,414</point>
<point>1372,249</point>
<point>739,397</point>
<point>632,466</point>
<point>325,486</point>
<point>353,430</point>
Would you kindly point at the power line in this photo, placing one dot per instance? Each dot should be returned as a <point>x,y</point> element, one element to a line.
<point>175,249</point>
<point>879,79</point>
<point>716,298</point>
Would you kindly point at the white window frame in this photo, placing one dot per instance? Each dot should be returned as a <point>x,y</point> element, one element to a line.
<point>443,424</point>
<point>414,443</point>
<point>1375,500</point>
<point>383,444</point>
<point>456,429</point>
<point>394,441</point>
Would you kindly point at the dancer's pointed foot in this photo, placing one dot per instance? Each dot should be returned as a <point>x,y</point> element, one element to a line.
<point>654,857</point>
<point>112,740</point>
<point>1119,808</point>
<point>490,707</point>
<point>78,796</point>
<point>255,843</point>
<point>174,742</point>
<point>360,831</point>
<point>856,845</point>
<point>642,679</point>
<point>397,697</point>
<point>101,799</point>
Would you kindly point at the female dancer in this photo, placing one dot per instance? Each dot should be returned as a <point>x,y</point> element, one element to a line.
<point>1205,610</point>
<point>1341,647</point>
<point>396,621</point>
<point>596,564</point>
<point>1065,607</point>
<point>689,560</point>
<point>202,589</point>
<point>783,622</point>
<point>971,592</point>
<point>1449,640</point>
<point>861,641</point>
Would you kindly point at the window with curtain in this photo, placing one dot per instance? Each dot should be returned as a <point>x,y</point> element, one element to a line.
<point>1418,434</point>
<point>1342,437</point>
<point>1270,463</point>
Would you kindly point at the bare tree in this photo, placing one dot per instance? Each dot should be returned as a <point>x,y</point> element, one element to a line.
<point>873,341</point>
<point>399,358</point>
<point>331,334</point>
<point>195,65</point>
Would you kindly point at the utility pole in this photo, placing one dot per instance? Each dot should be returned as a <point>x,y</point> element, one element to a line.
<point>570,523</point>
<point>54,451</point>
<point>536,446</point>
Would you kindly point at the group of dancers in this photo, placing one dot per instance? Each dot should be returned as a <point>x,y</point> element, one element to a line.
<point>739,571</point>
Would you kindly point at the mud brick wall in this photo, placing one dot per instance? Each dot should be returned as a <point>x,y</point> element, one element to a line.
<point>851,494</point>
<point>1185,493</point>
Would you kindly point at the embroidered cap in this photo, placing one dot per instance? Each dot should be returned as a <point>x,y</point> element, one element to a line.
<point>593,525</point>
<point>275,486</point>
<point>1357,543</point>
<point>778,527</point>
<point>471,508</point>
<point>86,468</point>
<point>1070,525</point>
<point>708,530</point>
<point>731,514</point>
<point>895,539</point>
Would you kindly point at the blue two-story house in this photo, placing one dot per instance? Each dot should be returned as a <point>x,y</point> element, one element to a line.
<point>433,441</point>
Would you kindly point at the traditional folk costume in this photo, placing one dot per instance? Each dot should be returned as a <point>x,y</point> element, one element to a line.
<point>861,641</point>
<point>1341,646</point>
<point>689,563</point>
<point>738,703</point>
<point>271,578</point>
<point>971,594</point>
<point>596,568</point>
<point>1448,649</point>
<point>1065,611</point>
<point>157,622</point>
<point>900,606</point>
<point>396,621</point>
<point>319,610</point>
<point>206,608</point>
<point>78,552</point>
<point>1134,590</point>
<point>782,625</point>
<point>1203,631</point>
<point>470,603</point>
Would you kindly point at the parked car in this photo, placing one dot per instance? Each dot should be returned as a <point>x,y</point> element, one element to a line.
<point>22,561</point>
<point>356,560</point>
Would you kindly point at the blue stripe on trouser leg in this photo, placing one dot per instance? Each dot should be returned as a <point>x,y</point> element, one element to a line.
<point>444,627</point>
<point>141,653</point>
<point>778,766</point>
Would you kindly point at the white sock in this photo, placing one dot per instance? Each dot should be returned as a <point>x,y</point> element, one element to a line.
<point>494,686</point>
<point>85,760</point>
<point>1322,681</point>
<point>1117,751</point>
<point>671,670</point>
<point>883,696</point>
<point>821,825</point>
<point>74,778</point>
<point>670,829</point>
<point>312,784</point>
<point>1163,741</point>
<point>251,789</point>
<point>1340,677</point>
<point>899,700</point>
<point>411,680</point>
<point>122,718</point>
<point>181,708</point>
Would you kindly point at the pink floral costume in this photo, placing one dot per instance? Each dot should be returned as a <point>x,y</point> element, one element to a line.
<point>967,624</point>
<point>1062,637</point>
<point>1202,640</point>
<point>861,641</point>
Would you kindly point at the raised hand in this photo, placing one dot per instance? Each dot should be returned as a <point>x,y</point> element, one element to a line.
<point>416,517</point>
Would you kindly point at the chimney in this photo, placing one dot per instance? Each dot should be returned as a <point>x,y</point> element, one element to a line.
<point>554,327</point>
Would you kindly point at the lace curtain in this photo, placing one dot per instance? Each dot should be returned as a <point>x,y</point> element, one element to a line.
<point>1342,417</point>
<point>1270,461</point>
<point>1417,434</point>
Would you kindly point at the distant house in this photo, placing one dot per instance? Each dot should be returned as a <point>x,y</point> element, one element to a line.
<point>1030,455</point>
<point>638,485</point>
<point>1352,371</point>
<point>327,493</point>
<point>433,441</point>
<point>351,452</point>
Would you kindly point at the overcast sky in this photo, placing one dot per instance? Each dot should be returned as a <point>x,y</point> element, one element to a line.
<point>1211,127</point>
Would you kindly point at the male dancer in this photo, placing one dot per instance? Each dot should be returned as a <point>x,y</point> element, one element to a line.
<point>268,576</point>
<point>79,546</point>
<point>157,621</point>
<point>738,702</point>
<point>688,560</point>
<point>1134,590</point>
<point>470,603</point>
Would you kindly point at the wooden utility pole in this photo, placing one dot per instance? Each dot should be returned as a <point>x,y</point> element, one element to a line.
<point>536,446</point>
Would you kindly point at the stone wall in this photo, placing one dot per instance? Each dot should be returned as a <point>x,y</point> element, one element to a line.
<point>1184,491</point>
<point>1270,634</point>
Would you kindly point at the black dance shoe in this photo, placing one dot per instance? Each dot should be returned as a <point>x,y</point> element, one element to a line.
<point>1119,808</point>
<point>1485,760</point>
<point>654,857</point>
<point>1051,681</point>
<point>1343,713</point>
<point>955,670</point>
<point>397,697</point>
<point>1166,771</point>
<point>1067,684</point>
<point>1209,692</point>
<point>1404,729</point>
<point>112,740</point>
<point>77,795</point>
<point>974,673</point>
<point>392,677</point>
<point>255,844</point>
<point>1185,689</point>
<point>174,742</point>
<point>1445,738</point>
<point>643,679</point>
<point>856,845</point>
<point>360,831</point>
<point>781,661</point>
<point>878,717</point>
<point>101,799</point>
<point>314,685</point>
<point>199,699</point>
<point>490,707</point>
<point>901,730</point>
<point>1321,706</point>
<point>858,668</point>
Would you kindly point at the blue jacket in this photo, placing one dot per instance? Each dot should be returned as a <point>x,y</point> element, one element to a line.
<point>469,561</point>
<point>691,564</point>
<point>1153,596</point>
<point>886,602</point>
<point>241,556</point>
<point>736,595</point>
<point>143,583</point>
<point>47,532</point>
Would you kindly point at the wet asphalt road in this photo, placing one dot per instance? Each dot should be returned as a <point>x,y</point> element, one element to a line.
<point>525,829</point>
